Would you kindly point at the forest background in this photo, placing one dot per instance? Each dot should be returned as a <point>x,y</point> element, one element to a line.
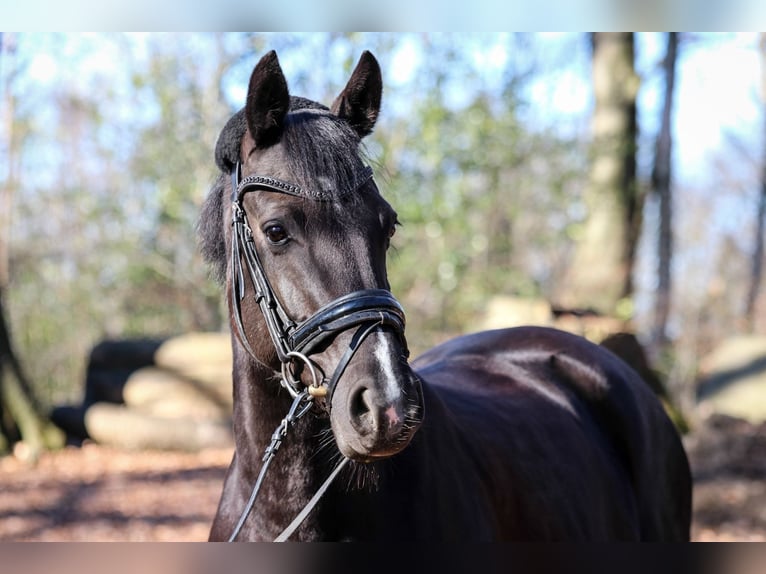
<point>485,147</point>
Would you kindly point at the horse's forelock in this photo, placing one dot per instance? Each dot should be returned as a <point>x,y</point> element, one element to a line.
<point>321,149</point>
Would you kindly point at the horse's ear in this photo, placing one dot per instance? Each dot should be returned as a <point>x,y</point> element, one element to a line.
<point>267,101</point>
<point>359,102</point>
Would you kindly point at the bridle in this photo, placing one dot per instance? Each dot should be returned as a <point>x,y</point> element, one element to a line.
<point>368,310</point>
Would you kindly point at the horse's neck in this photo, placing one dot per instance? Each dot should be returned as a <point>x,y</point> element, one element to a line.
<point>260,404</point>
<point>259,407</point>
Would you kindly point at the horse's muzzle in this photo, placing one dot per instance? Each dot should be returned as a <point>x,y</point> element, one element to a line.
<point>370,421</point>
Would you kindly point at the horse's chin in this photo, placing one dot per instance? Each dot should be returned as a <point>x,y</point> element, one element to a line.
<point>358,449</point>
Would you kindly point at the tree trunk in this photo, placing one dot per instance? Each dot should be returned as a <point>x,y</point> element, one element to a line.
<point>662,187</point>
<point>599,274</point>
<point>756,269</point>
<point>20,411</point>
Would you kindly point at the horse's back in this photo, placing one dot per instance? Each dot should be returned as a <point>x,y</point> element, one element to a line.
<point>571,426</point>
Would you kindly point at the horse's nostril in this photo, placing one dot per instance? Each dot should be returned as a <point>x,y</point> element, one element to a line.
<point>361,409</point>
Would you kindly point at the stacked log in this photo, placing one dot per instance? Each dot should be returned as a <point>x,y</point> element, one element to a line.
<point>732,379</point>
<point>172,394</point>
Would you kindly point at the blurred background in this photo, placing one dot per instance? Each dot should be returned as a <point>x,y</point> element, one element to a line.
<point>607,184</point>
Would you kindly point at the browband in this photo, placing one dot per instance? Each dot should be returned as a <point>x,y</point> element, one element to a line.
<point>240,186</point>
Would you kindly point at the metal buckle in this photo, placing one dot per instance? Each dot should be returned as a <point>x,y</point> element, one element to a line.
<point>293,384</point>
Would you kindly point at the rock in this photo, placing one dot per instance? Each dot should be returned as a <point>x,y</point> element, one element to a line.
<point>508,311</point>
<point>173,394</point>
<point>595,328</point>
<point>105,385</point>
<point>732,379</point>
<point>629,349</point>
<point>71,419</point>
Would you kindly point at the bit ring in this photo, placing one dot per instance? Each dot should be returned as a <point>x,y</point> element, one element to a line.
<point>293,385</point>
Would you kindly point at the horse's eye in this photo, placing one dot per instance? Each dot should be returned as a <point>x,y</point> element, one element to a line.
<point>276,234</point>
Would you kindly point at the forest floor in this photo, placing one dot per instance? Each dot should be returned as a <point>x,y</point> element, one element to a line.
<point>94,493</point>
<point>728,460</point>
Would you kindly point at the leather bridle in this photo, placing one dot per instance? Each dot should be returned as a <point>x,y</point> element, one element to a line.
<point>367,309</point>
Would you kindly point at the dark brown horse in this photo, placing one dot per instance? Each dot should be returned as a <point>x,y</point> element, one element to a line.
<point>517,434</point>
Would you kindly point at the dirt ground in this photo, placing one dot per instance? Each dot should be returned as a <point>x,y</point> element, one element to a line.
<point>96,493</point>
<point>728,459</point>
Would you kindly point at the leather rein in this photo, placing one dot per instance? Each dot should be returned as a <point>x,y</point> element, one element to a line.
<point>366,310</point>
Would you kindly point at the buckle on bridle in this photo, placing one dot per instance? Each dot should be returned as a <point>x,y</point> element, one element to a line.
<point>294,384</point>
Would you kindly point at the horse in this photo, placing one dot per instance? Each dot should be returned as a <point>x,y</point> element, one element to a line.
<point>525,433</point>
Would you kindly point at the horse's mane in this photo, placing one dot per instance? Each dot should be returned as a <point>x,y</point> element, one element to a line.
<point>317,144</point>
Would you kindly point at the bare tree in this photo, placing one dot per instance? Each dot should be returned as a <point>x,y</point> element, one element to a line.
<point>756,270</point>
<point>662,187</point>
<point>21,415</point>
<point>599,275</point>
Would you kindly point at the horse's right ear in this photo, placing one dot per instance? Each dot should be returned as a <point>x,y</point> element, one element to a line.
<point>267,101</point>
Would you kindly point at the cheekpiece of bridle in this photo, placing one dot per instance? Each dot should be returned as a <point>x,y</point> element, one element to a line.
<point>367,310</point>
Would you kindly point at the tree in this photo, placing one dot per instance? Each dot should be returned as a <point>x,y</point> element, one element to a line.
<point>756,268</point>
<point>479,190</point>
<point>662,188</point>
<point>191,112</point>
<point>599,274</point>
<point>122,161</point>
<point>21,414</point>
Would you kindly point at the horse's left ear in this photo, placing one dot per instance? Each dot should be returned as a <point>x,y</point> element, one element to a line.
<point>359,102</point>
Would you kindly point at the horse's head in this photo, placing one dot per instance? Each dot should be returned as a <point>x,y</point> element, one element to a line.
<point>308,291</point>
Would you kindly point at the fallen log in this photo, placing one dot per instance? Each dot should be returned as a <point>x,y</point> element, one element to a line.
<point>122,427</point>
<point>163,393</point>
<point>195,349</point>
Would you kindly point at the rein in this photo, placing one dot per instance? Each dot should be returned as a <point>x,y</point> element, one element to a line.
<point>366,310</point>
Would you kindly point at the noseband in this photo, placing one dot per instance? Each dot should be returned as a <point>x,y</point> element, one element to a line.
<point>367,310</point>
